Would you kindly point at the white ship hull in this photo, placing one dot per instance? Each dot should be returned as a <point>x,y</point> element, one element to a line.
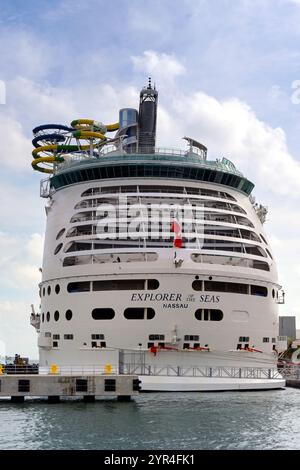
<point>142,305</point>
<point>203,384</point>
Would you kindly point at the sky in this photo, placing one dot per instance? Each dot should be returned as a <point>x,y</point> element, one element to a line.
<point>227,72</point>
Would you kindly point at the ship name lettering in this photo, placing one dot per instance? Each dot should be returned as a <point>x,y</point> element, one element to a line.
<point>175,305</point>
<point>170,297</point>
<point>209,298</point>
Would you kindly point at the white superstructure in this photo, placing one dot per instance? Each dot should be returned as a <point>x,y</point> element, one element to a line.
<point>198,317</point>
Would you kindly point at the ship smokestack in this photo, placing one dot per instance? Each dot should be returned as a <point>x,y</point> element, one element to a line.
<point>147,119</point>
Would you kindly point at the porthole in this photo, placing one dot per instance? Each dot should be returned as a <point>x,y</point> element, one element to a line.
<point>60,233</point>
<point>43,317</point>
<point>44,291</point>
<point>57,288</point>
<point>56,315</point>
<point>48,316</point>
<point>58,248</point>
<point>69,314</point>
<point>49,290</point>
<point>273,293</point>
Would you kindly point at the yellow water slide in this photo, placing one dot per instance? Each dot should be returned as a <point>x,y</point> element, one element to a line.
<point>50,147</point>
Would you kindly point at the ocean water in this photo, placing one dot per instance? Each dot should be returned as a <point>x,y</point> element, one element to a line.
<point>224,420</point>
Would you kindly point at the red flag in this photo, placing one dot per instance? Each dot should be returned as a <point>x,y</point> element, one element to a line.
<point>176,228</point>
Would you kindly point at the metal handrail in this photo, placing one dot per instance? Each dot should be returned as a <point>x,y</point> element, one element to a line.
<point>158,153</point>
<point>205,371</point>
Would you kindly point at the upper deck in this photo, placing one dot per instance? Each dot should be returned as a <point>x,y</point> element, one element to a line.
<point>163,163</point>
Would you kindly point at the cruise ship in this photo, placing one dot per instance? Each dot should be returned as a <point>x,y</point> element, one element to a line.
<point>156,261</point>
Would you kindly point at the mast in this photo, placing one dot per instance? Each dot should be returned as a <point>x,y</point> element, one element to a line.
<point>147,119</point>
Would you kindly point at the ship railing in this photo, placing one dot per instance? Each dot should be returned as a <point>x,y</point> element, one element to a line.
<point>205,371</point>
<point>149,151</point>
<point>280,299</point>
<point>45,188</point>
<point>156,153</point>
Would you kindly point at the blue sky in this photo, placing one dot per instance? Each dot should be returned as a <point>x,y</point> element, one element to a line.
<point>224,70</point>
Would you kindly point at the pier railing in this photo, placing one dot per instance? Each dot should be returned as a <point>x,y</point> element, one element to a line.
<point>93,369</point>
<point>55,369</point>
<point>205,371</point>
<point>141,369</point>
<point>290,372</point>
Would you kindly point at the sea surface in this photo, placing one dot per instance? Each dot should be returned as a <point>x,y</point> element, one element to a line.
<point>223,420</point>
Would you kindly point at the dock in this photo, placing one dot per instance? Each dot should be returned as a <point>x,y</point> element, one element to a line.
<point>56,387</point>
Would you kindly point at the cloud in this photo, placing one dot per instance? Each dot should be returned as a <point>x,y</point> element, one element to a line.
<point>20,258</point>
<point>15,146</point>
<point>18,336</point>
<point>32,55</point>
<point>163,67</point>
<point>230,128</point>
<point>19,277</point>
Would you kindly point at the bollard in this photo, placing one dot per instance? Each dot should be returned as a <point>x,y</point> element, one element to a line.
<point>108,368</point>
<point>53,369</point>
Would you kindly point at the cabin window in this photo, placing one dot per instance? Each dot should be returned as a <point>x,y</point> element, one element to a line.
<point>121,284</point>
<point>125,284</point>
<point>203,314</point>
<point>232,287</point>
<point>263,239</point>
<point>58,248</point>
<point>266,340</point>
<point>60,233</point>
<point>56,315</point>
<point>83,286</point>
<point>191,337</point>
<point>260,291</point>
<point>156,337</point>
<point>139,313</point>
<point>97,336</point>
<point>103,314</point>
<point>244,339</point>
<point>68,336</point>
<point>57,288</point>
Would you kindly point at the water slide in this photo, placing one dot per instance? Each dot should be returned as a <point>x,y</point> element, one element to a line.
<point>53,141</point>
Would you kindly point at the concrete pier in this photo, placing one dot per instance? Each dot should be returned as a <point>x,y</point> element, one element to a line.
<point>55,387</point>
<point>295,383</point>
